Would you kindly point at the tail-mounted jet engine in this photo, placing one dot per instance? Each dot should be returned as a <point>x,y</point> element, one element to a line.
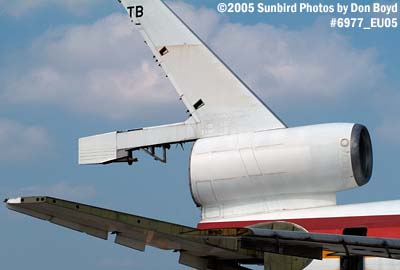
<point>303,166</point>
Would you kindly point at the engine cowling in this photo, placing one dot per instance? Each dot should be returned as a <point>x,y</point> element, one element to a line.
<point>300,162</point>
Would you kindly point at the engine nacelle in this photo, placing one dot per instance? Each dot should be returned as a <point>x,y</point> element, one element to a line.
<point>276,165</point>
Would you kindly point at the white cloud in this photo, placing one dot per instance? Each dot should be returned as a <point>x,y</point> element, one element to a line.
<point>205,22</point>
<point>289,64</point>
<point>18,8</point>
<point>20,142</point>
<point>104,68</point>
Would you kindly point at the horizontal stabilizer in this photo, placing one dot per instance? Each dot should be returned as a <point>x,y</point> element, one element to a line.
<point>236,244</point>
<point>130,230</point>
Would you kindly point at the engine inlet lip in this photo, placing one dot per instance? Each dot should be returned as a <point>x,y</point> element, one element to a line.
<point>361,154</point>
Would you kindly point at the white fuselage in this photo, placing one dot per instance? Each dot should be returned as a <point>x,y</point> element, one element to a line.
<point>381,219</point>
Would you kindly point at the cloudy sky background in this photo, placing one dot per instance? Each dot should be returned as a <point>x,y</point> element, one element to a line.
<point>76,68</point>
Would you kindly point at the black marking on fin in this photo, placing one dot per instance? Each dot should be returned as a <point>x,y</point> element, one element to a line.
<point>163,51</point>
<point>198,104</point>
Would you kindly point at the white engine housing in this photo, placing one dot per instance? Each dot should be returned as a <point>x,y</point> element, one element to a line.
<point>278,169</point>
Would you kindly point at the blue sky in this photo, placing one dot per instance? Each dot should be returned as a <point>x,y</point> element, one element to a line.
<point>75,68</point>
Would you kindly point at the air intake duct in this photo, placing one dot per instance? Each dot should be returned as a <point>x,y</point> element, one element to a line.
<point>361,154</point>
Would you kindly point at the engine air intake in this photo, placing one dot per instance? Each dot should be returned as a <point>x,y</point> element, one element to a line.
<point>361,154</point>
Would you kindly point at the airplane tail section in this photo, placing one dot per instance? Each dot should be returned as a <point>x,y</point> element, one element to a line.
<point>214,96</point>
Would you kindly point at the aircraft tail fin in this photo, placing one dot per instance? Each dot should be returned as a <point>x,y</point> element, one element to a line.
<point>212,93</point>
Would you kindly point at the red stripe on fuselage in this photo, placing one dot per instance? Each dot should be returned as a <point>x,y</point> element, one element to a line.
<point>378,226</point>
